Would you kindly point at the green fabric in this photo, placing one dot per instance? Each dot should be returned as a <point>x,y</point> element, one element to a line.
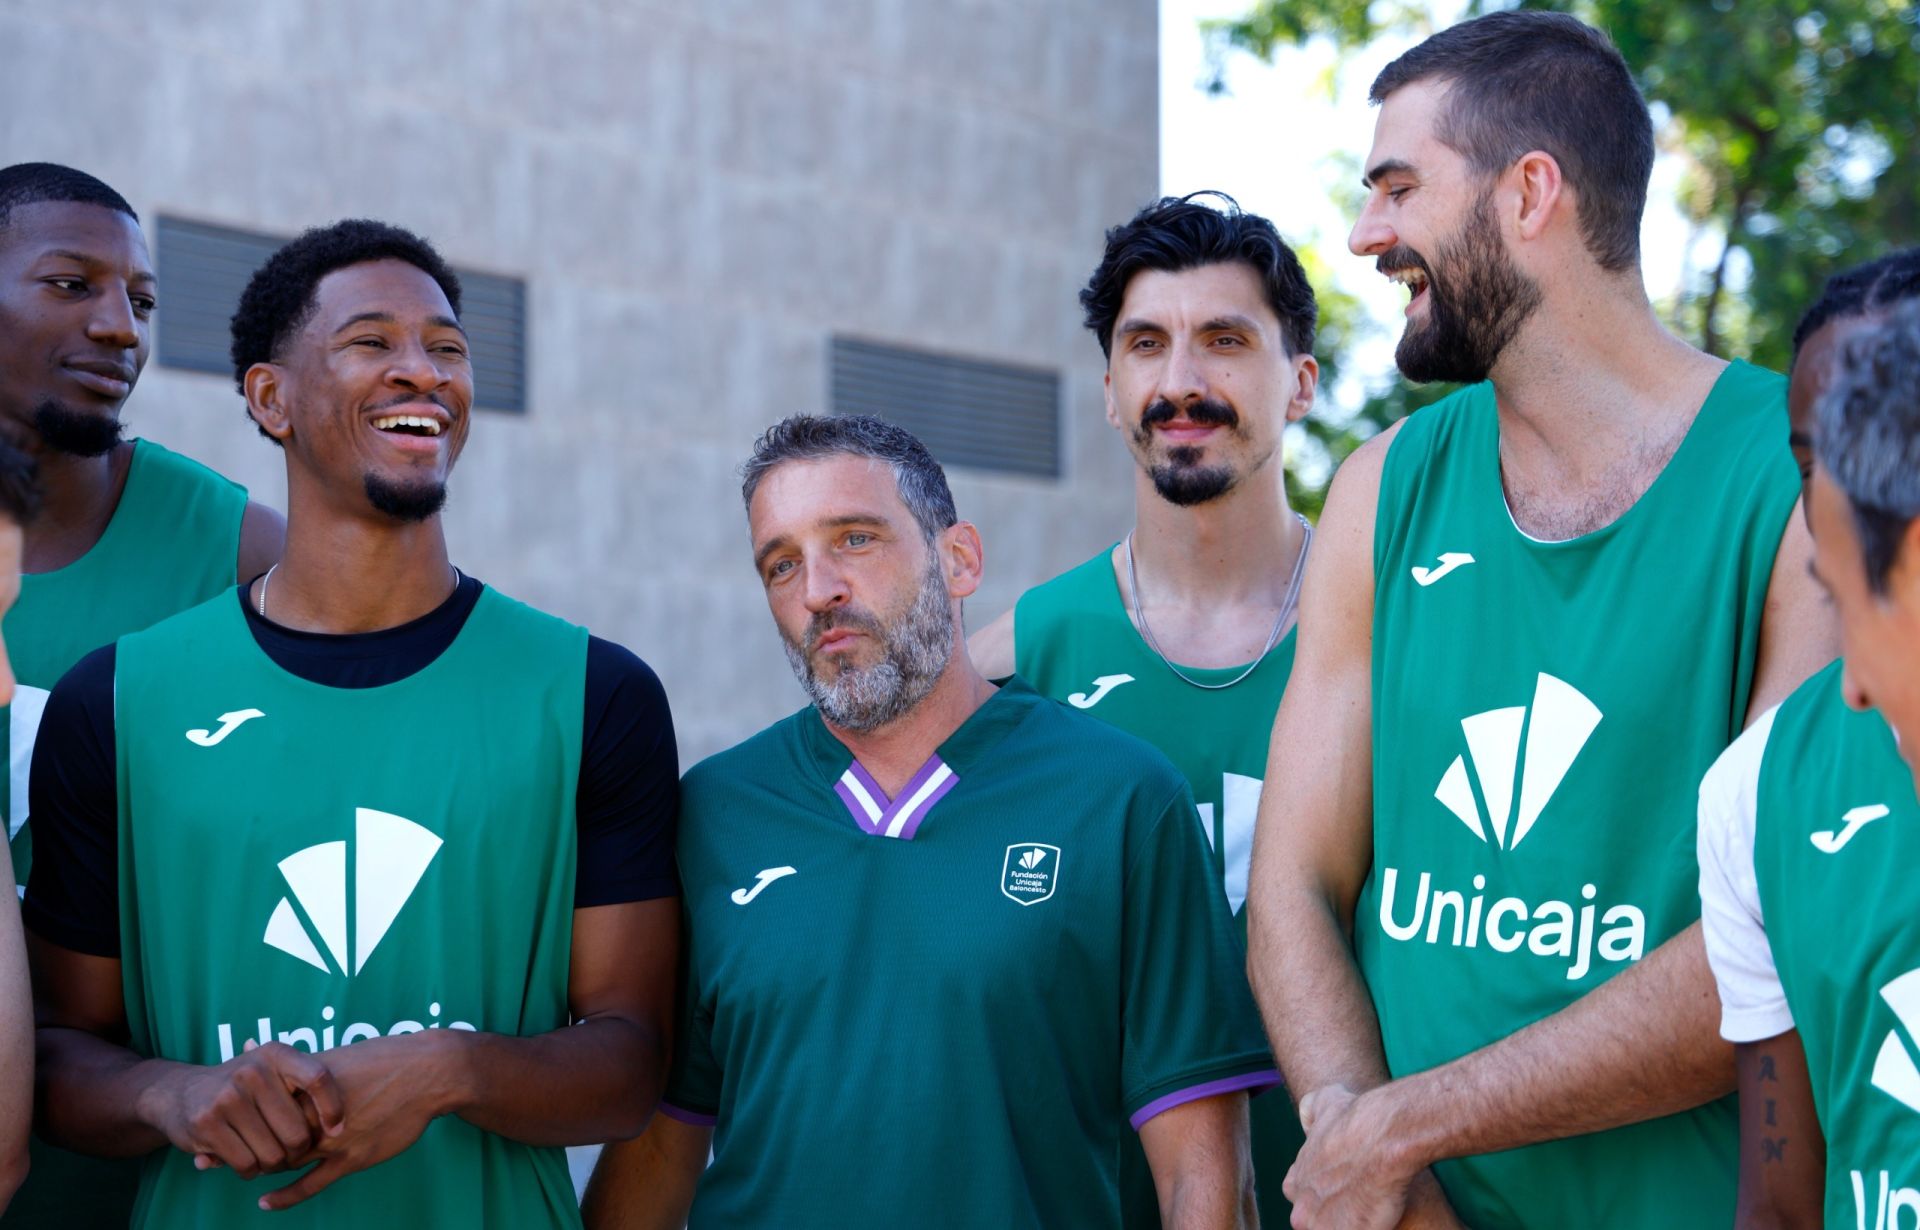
<point>1846,939</point>
<point>1073,638</point>
<point>1586,685</point>
<point>171,544</point>
<point>920,1032</point>
<point>348,863</point>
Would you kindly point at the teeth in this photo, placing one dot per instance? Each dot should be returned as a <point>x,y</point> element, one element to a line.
<point>392,421</point>
<point>1408,277</point>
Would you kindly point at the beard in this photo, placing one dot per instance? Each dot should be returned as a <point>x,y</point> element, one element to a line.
<point>1477,299</point>
<point>75,432</point>
<point>915,649</point>
<point>1180,478</point>
<point>407,502</point>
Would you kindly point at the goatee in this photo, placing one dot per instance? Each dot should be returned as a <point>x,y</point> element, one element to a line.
<point>75,432</point>
<point>405,501</point>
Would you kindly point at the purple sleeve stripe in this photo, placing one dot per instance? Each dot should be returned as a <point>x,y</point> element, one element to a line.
<point>1193,1093</point>
<point>684,1115</point>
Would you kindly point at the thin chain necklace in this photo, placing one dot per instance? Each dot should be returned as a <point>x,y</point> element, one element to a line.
<point>260,599</point>
<point>1287,606</point>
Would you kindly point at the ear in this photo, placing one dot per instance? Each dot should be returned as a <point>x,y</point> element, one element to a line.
<point>1541,189</point>
<point>1306,382</point>
<point>1113,413</point>
<point>267,400</point>
<point>1903,578</point>
<point>962,558</point>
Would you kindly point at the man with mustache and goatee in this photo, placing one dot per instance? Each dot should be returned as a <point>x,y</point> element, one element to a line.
<point>948,942</point>
<point>1182,632</point>
<point>128,533</point>
<point>1538,611</point>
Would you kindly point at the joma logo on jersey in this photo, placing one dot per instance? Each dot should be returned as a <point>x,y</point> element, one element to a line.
<point>1554,728</point>
<point>1030,873</point>
<point>390,854</point>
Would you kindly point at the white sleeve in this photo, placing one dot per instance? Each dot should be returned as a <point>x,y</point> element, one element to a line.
<point>1753,1005</point>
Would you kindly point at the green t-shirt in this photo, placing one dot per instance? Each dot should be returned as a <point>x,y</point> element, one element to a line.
<point>945,1008</point>
<point>1836,836</point>
<point>1074,641</point>
<point>172,543</point>
<point>1542,715</point>
<point>320,865</point>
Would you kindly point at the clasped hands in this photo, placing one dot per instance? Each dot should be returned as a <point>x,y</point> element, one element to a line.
<point>1352,1174</point>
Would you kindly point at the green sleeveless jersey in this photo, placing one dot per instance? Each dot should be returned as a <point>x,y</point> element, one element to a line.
<point>1542,715</point>
<point>320,865</point>
<point>172,543</point>
<point>1074,641</point>
<point>1836,837</point>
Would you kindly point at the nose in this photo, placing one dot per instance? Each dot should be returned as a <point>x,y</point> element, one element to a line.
<point>825,584</point>
<point>1851,691</point>
<point>114,321</point>
<point>1183,380</point>
<point>1371,234</point>
<point>416,368</point>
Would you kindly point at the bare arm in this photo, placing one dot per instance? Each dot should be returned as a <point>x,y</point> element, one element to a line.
<point>647,1183</point>
<point>595,1080</point>
<point>1313,841</point>
<point>1797,634</point>
<point>263,537</point>
<point>1783,1153</point>
<point>1202,1164</point>
<point>16,1041</point>
<point>991,648</point>
<point>94,1095</point>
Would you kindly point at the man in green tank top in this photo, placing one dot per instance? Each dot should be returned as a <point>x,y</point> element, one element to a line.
<point>1182,634</point>
<point>948,942</point>
<point>1538,610</point>
<point>19,500</point>
<point>352,937</point>
<point>1808,822</point>
<point>130,532</point>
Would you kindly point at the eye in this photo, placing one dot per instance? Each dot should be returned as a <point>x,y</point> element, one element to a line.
<point>1394,194</point>
<point>378,343</point>
<point>72,286</point>
<point>859,538</point>
<point>1145,343</point>
<point>452,349</point>
<point>1228,340</point>
<point>144,304</point>
<point>780,568</point>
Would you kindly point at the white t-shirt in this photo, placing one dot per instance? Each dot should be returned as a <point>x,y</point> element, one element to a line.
<point>1753,1004</point>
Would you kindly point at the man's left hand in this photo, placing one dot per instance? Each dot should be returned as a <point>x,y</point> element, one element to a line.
<point>1344,1176</point>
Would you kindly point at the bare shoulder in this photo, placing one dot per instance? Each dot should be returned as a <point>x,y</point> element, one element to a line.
<point>991,648</point>
<point>263,538</point>
<point>1346,523</point>
<point>1797,633</point>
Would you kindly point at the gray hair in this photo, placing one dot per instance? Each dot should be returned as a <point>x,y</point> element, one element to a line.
<point>809,437</point>
<point>1867,435</point>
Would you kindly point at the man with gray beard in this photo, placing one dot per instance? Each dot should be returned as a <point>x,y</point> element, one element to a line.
<point>926,912</point>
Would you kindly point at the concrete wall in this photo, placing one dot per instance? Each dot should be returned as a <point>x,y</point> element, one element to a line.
<point>698,197</point>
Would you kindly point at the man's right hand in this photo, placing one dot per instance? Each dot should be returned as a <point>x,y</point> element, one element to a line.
<point>250,1113</point>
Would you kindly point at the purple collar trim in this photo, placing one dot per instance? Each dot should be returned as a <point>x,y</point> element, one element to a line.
<point>901,816</point>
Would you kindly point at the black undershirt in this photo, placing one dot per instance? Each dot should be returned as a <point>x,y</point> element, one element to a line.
<point>625,807</point>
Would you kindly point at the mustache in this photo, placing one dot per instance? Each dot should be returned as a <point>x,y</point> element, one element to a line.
<point>1206,413</point>
<point>412,399</point>
<point>827,621</point>
<point>1399,257</point>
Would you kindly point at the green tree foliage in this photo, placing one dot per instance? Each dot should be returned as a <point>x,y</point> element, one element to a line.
<point>1798,125</point>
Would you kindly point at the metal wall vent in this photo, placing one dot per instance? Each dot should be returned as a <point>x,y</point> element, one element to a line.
<point>204,268</point>
<point>989,416</point>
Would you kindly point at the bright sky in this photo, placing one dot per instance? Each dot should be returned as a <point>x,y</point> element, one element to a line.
<point>1275,142</point>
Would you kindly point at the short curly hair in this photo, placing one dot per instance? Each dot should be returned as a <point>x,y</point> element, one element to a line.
<point>278,300</point>
<point>1175,234</point>
<point>31,183</point>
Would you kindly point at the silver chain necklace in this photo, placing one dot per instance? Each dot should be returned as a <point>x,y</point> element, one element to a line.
<point>260,599</point>
<point>1287,606</point>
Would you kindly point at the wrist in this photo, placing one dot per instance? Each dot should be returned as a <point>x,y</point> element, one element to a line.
<point>158,1095</point>
<point>1408,1133</point>
<point>451,1069</point>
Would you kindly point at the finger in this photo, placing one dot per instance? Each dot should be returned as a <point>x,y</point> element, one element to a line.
<point>230,1149</point>
<point>206,1161</point>
<point>311,1077</point>
<point>280,1109</point>
<point>307,1185</point>
<point>1309,1110</point>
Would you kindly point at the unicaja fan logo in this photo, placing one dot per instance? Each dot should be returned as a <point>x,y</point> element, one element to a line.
<point>1553,730</point>
<point>1878,1200</point>
<point>1561,722</point>
<point>390,854</point>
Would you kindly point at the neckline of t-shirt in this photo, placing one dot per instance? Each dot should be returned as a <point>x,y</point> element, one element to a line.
<point>431,635</point>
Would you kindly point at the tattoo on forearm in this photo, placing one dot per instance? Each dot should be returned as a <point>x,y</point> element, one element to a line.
<point>1766,1069</point>
<point>1772,1119</point>
<point>1773,1149</point>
